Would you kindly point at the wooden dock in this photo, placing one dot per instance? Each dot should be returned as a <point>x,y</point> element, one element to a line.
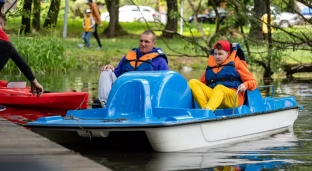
<point>21,149</point>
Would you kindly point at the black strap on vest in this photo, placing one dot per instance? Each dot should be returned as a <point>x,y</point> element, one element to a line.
<point>128,61</point>
<point>218,66</point>
<point>136,62</point>
<point>231,78</point>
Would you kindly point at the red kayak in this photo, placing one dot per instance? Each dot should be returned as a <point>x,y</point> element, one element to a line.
<point>22,97</point>
<point>24,115</point>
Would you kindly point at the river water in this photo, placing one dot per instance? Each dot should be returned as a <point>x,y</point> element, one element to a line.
<point>289,150</point>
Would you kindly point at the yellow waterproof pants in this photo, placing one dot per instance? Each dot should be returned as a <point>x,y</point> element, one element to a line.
<point>208,98</point>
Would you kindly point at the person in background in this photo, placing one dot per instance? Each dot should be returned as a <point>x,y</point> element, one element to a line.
<point>144,58</point>
<point>265,29</point>
<point>7,51</point>
<point>226,74</point>
<point>97,17</point>
<point>88,25</point>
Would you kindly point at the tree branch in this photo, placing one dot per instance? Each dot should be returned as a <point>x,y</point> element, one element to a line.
<point>200,29</point>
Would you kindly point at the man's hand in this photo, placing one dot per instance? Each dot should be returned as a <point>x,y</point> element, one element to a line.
<point>106,67</point>
<point>242,88</point>
<point>101,24</point>
<point>36,88</point>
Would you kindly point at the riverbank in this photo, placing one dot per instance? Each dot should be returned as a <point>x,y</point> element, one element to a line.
<point>45,54</point>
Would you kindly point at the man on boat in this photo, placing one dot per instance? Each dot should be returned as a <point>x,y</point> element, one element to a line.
<point>226,74</point>
<point>144,58</point>
<point>7,51</point>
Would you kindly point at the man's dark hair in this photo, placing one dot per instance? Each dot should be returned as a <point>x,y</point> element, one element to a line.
<point>147,32</point>
<point>219,46</point>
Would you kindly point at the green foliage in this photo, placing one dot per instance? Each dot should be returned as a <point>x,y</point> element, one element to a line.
<point>283,5</point>
<point>114,49</point>
<point>277,58</point>
<point>43,54</point>
<point>198,66</point>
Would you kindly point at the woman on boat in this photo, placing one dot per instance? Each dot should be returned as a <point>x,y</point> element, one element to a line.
<point>226,73</point>
<point>7,51</point>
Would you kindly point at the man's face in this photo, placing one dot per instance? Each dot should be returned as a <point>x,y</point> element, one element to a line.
<point>146,43</point>
<point>220,55</point>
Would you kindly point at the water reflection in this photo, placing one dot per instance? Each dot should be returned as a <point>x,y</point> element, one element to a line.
<point>291,150</point>
<point>255,154</point>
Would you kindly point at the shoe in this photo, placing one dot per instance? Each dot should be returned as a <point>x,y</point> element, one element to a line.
<point>2,108</point>
<point>98,104</point>
<point>81,45</point>
<point>100,47</point>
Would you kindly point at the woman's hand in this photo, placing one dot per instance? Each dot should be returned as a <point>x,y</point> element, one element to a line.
<point>36,88</point>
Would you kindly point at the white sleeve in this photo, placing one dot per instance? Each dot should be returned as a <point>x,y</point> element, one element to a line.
<point>92,22</point>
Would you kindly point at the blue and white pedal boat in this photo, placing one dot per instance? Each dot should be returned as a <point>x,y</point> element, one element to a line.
<point>161,104</point>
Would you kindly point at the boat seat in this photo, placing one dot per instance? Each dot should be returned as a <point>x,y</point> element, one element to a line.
<point>284,102</point>
<point>228,111</point>
<point>253,101</point>
<point>16,84</point>
<point>268,103</point>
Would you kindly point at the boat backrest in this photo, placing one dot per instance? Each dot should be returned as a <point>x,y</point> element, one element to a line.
<point>16,84</point>
<point>137,93</point>
<point>254,100</point>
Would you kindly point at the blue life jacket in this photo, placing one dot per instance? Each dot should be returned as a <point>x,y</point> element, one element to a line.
<point>228,75</point>
<point>144,63</point>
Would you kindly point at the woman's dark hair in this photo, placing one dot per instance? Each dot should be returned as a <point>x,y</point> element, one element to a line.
<point>1,5</point>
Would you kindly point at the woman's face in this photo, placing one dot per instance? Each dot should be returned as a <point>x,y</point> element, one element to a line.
<point>2,22</point>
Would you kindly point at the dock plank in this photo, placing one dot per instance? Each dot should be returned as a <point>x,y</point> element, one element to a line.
<point>23,149</point>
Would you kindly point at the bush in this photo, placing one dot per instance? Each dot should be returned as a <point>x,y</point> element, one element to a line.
<point>43,54</point>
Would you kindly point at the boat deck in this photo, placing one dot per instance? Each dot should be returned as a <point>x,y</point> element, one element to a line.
<point>23,149</point>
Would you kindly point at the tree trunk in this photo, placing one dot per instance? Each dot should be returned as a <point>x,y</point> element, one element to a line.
<point>52,14</point>
<point>214,2</point>
<point>172,19</point>
<point>113,29</point>
<point>25,28</point>
<point>255,29</point>
<point>267,74</point>
<point>36,16</point>
<point>290,69</point>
